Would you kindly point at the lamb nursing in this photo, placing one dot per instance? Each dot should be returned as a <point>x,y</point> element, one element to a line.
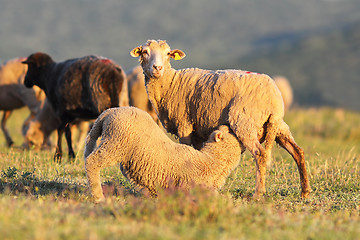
<point>191,103</point>
<point>148,157</point>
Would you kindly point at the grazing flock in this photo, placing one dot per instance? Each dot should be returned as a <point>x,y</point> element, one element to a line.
<point>216,115</point>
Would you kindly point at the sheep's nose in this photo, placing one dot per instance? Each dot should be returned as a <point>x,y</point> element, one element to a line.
<point>157,67</point>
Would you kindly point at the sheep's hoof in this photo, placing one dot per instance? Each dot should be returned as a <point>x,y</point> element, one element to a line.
<point>257,196</point>
<point>100,200</point>
<point>10,143</point>
<point>57,157</point>
<point>71,156</point>
<point>305,194</point>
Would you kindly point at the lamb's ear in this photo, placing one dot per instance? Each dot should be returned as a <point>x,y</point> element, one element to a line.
<point>177,54</point>
<point>218,136</point>
<point>136,52</point>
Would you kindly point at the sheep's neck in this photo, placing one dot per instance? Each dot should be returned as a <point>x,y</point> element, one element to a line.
<point>157,88</point>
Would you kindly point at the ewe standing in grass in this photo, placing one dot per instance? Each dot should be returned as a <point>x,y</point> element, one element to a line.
<point>191,103</point>
<point>14,95</point>
<point>149,158</point>
<point>77,88</point>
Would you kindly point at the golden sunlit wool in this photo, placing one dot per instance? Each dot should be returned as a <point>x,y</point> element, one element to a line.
<point>192,102</point>
<point>147,156</point>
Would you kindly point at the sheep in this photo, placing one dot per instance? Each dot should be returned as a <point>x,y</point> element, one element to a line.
<point>192,102</point>
<point>76,88</point>
<point>45,123</point>
<point>286,91</point>
<point>137,92</point>
<point>14,95</point>
<point>149,158</point>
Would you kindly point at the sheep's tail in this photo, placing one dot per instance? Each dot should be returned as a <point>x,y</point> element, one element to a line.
<point>94,134</point>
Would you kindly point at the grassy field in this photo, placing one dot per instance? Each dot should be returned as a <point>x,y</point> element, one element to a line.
<point>40,199</point>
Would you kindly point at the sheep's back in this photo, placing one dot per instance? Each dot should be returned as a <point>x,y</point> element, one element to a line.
<point>216,92</point>
<point>149,155</point>
<point>86,86</point>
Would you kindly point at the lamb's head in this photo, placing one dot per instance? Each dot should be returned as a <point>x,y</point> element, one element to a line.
<point>224,138</point>
<point>35,63</point>
<point>155,57</point>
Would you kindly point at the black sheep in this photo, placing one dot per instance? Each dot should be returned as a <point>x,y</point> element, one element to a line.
<point>76,88</point>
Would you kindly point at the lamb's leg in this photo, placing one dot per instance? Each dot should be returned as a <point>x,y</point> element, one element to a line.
<point>286,140</point>
<point>97,160</point>
<point>93,176</point>
<point>6,116</point>
<point>69,142</point>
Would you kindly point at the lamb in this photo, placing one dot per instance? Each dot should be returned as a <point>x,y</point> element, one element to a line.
<point>76,88</point>
<point>14,95</point>
<point>286,91</point>
<point>149,158</point>
<point>137,92</point>
<point>38,131</point>
<point>192,102</point>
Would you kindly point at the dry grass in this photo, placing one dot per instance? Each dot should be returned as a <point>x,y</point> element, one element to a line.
<point>40,199</point>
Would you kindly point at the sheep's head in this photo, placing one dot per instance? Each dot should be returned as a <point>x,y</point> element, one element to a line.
<point>225,137</point>
<point>33,136</point>
<point>155,57</point>
<point>35,63</point>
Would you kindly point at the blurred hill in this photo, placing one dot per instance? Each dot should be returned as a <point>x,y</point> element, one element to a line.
<point>293,38</point>
<point>324,69</point>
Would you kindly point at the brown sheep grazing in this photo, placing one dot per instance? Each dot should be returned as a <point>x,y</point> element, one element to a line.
<point>192,102</point>
<point>149,158</point>
<point>39,129</point>
<point>76,88</point>
<point>14,95</point>
<point>137,92</point>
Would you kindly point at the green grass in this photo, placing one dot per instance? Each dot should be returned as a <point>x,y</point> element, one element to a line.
<point>40,199</point>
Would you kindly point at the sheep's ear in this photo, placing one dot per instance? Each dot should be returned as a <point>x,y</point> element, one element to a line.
<point>136,52</point>
<point>177,54</point>
<point>218,136</point>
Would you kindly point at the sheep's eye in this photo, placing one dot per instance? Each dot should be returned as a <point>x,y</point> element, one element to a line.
<point>168,53</point>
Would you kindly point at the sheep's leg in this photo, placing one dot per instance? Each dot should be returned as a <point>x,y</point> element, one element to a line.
<point>69,142</point>
<point>58,151</point>
<point>6,116</point>
<point>270,135</point>
<point>259,154</point>
<point>286,140</point>
<point>185,132</point>
<point>260,157</point>
<point>245,129</point>
<point>93,164</point>
<point>93,176</point>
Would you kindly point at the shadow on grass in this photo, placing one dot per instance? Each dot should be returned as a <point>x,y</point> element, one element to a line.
<point>13,182</point>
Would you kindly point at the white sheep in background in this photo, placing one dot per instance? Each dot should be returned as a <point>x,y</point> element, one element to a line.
<point>137,92</point>
<point>191,103</point>
<point>286,91</point>
<point>14,95</point>
<point>149,158</point>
